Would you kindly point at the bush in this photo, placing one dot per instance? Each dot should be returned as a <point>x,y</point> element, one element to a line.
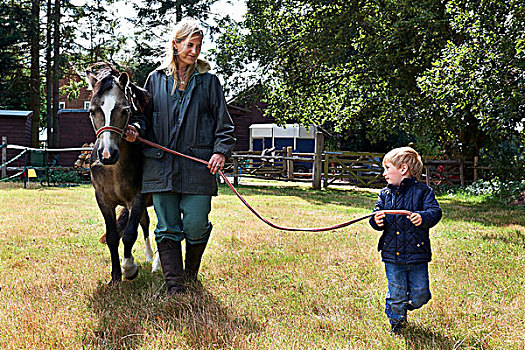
<point>494,190</point>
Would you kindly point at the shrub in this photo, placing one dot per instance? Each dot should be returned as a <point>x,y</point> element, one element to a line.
<point>494,190</point>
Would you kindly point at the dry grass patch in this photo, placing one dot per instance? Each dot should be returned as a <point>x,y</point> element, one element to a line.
<point>261,288</point>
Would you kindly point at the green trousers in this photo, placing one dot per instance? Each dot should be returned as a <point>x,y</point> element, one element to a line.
<point>182,216</point>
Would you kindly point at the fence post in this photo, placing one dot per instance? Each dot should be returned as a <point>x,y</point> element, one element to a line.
<point>461,175</point>
<point>318,160</point>
<point>235,171</point>
<point>4,156</point>
<point>289,163</point>
<point>326,169</point>
<point>475,168</point>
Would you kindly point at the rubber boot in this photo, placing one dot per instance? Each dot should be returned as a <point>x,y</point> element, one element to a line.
<point>170,253</point>
<point>193,260</point>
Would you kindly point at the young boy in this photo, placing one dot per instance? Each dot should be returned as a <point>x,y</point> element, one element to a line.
<point>405,242</point>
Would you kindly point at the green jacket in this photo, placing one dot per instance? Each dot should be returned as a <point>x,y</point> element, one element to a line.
<point>203,127</point>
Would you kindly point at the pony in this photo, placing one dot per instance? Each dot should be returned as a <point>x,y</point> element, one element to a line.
<point>116,164</point>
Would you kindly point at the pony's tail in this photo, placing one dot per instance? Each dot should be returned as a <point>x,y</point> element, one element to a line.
<point>122,221</point>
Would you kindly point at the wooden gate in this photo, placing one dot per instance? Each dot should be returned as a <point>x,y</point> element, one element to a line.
<point>362,169</point>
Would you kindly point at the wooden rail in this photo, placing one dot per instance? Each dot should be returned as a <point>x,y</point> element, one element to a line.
<point>361,169</point>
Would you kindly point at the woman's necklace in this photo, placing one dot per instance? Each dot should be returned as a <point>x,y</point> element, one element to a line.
<point>181,81</point>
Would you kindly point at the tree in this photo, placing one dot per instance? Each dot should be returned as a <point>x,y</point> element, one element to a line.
<point>34,80</point>
<point>382,66</point>
<point>154,21</point>
<point>342,62</point>
<point>475,89</point>
<point>14,93</point>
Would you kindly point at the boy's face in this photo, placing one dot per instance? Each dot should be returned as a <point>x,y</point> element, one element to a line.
<point>394,175</point>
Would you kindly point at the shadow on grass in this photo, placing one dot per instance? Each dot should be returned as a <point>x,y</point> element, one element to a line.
<point>348,198</point>
<point>486,214</point>
<point>515,238</point>
<point>418,338</point>
<point>137,314</point>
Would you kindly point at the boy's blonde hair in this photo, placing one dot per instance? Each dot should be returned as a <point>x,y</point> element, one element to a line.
<point>408,156</point>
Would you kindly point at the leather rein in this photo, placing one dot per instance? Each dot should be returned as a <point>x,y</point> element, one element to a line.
<point>269,223</point>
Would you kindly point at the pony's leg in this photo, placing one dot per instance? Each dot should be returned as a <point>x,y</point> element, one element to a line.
<point>144,224</point>
<point>122,221</point>
<point>155,266</point>
<point>112,237</point>
<point>130,270</point>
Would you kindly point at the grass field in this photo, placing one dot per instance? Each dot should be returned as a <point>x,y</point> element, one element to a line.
<point>261,288</point>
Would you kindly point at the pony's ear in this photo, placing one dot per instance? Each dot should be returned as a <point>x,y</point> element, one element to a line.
<point>91,79</point>
<point>123,80</point>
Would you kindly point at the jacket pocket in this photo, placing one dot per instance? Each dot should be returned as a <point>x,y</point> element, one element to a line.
<point>154,165</point>
<point>203,153</point>
<point>151,152</point>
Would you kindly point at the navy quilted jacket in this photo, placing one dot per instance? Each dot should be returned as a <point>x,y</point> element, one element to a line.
<point>402,242</point>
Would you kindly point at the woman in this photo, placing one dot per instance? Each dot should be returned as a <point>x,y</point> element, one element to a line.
<point>191,117</point>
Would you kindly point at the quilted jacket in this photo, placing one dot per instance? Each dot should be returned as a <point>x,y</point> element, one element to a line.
<point>402,242</point>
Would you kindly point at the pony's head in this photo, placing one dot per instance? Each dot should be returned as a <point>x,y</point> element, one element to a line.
<point>109,109</point>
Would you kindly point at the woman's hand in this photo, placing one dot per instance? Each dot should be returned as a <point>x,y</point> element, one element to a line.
<point>378,218</point>
<point>216,163</point>
<point>131,134</point>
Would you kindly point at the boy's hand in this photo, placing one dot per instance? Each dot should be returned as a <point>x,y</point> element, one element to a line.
<point>416,219</point>
<point>378,218</point>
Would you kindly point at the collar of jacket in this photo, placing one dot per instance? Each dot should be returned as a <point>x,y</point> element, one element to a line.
<point>405,184</point>
<point>202,66</point>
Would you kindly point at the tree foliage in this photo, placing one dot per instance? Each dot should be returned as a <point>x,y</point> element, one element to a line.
<point>476,88</point>
<point>450,74</point>
<point>154,23</point>
<point>14,71</point>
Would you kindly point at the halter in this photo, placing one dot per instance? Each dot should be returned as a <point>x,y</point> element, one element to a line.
<point>114,129</point>
<point>111,129</point>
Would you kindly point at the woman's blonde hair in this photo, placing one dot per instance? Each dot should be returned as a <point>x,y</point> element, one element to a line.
<point>408,156</point>
<point>184,31</point>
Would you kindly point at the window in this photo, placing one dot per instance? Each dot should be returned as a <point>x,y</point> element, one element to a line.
<point>61,105</point>
<point>86,104</point>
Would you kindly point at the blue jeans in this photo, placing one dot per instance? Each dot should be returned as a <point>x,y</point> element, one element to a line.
<point>408,289</point>
<point>182,216</point>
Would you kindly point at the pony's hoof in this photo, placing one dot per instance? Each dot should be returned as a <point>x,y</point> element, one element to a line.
<point>133,275</point>
<point>130,270</point>
<point>102,239</point>
<point>114,282</point>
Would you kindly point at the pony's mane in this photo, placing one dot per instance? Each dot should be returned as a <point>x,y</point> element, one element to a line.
<point>107,78</point>
<point>106,75</point>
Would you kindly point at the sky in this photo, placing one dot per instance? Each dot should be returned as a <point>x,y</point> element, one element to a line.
<point>235,8</point>
<point>123,9</point>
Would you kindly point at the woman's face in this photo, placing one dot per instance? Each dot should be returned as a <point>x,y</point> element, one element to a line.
<point>188,50</point>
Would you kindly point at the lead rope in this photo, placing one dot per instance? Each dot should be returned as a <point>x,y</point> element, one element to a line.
<point>316,229</point>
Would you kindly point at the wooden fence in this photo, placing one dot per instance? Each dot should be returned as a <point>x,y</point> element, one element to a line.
<point>342,168</point>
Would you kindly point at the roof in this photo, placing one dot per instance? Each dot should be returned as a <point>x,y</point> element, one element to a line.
<point>72,111</point>
<point>13,113</point>
<point>286,130</point>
